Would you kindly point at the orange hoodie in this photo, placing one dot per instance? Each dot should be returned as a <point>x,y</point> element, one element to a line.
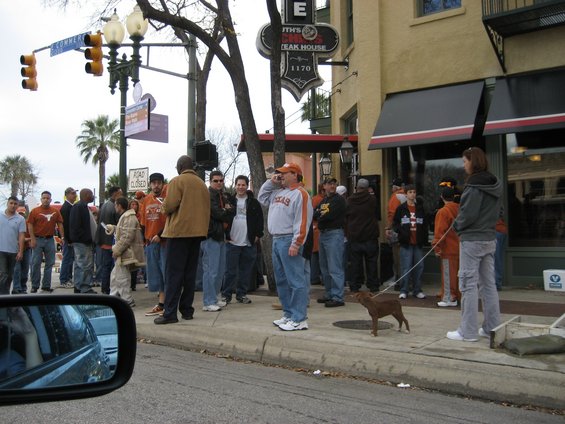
<point>449,246</point>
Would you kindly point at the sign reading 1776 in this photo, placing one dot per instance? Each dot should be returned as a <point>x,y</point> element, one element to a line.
<point>302,42</point>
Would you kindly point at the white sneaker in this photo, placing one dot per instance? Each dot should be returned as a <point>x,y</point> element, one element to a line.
<point>221,303</point>
<point>279,322</point>
<point>455,335</point>
<point>421,295</point>
<point>444,304</point>
<point>211,308</point>
<point>402,296</point>
<point>292,326</point>
<point>483,333</point>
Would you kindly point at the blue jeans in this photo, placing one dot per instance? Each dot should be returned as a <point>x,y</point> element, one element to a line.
<point>106,265</point>
<point>67,263</point>
<point>499,259</point>
<point>239,264</point>
<point>7,264</point>
<point>409,256</point>
<point>213,269</point>
<point>331,263</point>
<point>292,286</point>
<point>21,272</point>
<point>156,256</point>
<point>44,246</point>
<point>84,266</point>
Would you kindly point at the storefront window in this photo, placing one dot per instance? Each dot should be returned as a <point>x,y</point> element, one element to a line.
<point>536,189</point>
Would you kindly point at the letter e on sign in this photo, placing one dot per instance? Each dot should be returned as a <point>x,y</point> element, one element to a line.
<point>300,8</point>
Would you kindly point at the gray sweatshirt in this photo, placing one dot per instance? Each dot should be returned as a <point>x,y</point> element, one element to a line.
<point>479,208</point>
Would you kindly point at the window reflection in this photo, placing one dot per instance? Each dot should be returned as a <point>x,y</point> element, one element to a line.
<point>536,189</point>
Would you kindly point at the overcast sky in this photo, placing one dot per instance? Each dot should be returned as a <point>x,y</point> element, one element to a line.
<point>44,124</point>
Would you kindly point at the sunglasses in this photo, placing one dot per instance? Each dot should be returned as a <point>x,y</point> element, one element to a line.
<point>217,181</point>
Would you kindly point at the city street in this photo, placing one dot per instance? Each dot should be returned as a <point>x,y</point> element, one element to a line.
<point>176,386</point>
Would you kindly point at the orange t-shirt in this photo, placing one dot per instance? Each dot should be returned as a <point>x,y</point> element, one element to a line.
<point>44,221</point>
<point>151,217</point>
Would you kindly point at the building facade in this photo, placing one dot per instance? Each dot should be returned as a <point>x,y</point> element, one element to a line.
<point>428,78</point>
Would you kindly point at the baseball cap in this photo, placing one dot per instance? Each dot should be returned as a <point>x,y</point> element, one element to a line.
<point>70,190</point>
<point>341,190</point>
<point>156,176</point>
<point>290,167</point>
<point>397,182</point>
<point>329,180</point>
<point>363,183</point>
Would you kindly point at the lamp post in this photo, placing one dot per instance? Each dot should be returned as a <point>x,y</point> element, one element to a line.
<point>346,152</point>
<point>123,69</point>
<point>325,166</point>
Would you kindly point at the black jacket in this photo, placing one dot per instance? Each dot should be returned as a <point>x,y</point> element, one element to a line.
<point>361,221</point>
<point>401,224</point>
<point>330,213</point>
<point>79,224</point>
<point>107,215</point>
<point>219,214</point>
<point>254,217</point>
<point>66,214</point>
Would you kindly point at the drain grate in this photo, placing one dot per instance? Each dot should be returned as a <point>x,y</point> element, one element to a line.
<point>362,325</point>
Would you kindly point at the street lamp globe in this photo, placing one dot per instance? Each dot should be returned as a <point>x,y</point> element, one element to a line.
<point>135,24</point>
<point>114,32</point>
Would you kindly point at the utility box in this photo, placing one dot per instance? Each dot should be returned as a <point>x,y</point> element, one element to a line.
<point>554,279</point>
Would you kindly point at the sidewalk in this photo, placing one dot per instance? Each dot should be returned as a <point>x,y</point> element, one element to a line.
<point>423,358</point>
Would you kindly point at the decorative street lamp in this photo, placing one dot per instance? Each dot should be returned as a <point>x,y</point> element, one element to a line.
<point>325,166</point>
<point>346,152</point>
<point>123,69</point>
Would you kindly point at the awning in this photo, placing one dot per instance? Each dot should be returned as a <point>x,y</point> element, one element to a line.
<point>428,116</point>
<point>303,143</point>
<point>527,103</point>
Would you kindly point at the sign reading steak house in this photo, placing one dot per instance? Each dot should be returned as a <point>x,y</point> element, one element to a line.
<point>302,42</point>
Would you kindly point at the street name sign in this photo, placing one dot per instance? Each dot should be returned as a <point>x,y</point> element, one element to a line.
<point>71,43</point>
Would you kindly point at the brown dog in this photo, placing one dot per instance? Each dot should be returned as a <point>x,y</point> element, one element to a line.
<point>381,309</point>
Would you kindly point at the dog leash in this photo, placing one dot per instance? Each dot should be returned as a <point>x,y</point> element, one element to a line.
<point>392,284</point>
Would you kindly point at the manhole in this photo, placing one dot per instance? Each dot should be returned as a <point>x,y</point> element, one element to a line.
<point>362,325</point>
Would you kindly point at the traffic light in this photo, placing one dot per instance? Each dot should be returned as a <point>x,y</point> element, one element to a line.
<point>29,72</point>
<point>94,54</point>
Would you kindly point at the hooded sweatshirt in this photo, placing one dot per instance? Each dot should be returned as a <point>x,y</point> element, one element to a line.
<point>479,208</point>
<point>361,222</point>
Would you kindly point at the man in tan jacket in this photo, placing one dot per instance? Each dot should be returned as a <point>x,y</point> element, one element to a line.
<point>127,251</point>
<point>187,207</point>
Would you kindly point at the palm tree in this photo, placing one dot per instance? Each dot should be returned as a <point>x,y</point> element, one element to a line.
<point>98,137</point>
<point>18,172</point>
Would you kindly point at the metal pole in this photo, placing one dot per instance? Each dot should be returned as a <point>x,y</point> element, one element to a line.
<point>123,141</point>
<point>191,121</point>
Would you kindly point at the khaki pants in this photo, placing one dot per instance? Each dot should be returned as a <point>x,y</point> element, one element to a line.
<point>120,283</point>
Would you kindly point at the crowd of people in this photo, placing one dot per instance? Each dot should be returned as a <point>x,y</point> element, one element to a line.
<point>184,231</point>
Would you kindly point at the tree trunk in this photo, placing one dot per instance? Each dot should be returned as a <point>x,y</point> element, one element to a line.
<point>102,182</point>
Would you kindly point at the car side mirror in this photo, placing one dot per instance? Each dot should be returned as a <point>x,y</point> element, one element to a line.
<point>61,347</point>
